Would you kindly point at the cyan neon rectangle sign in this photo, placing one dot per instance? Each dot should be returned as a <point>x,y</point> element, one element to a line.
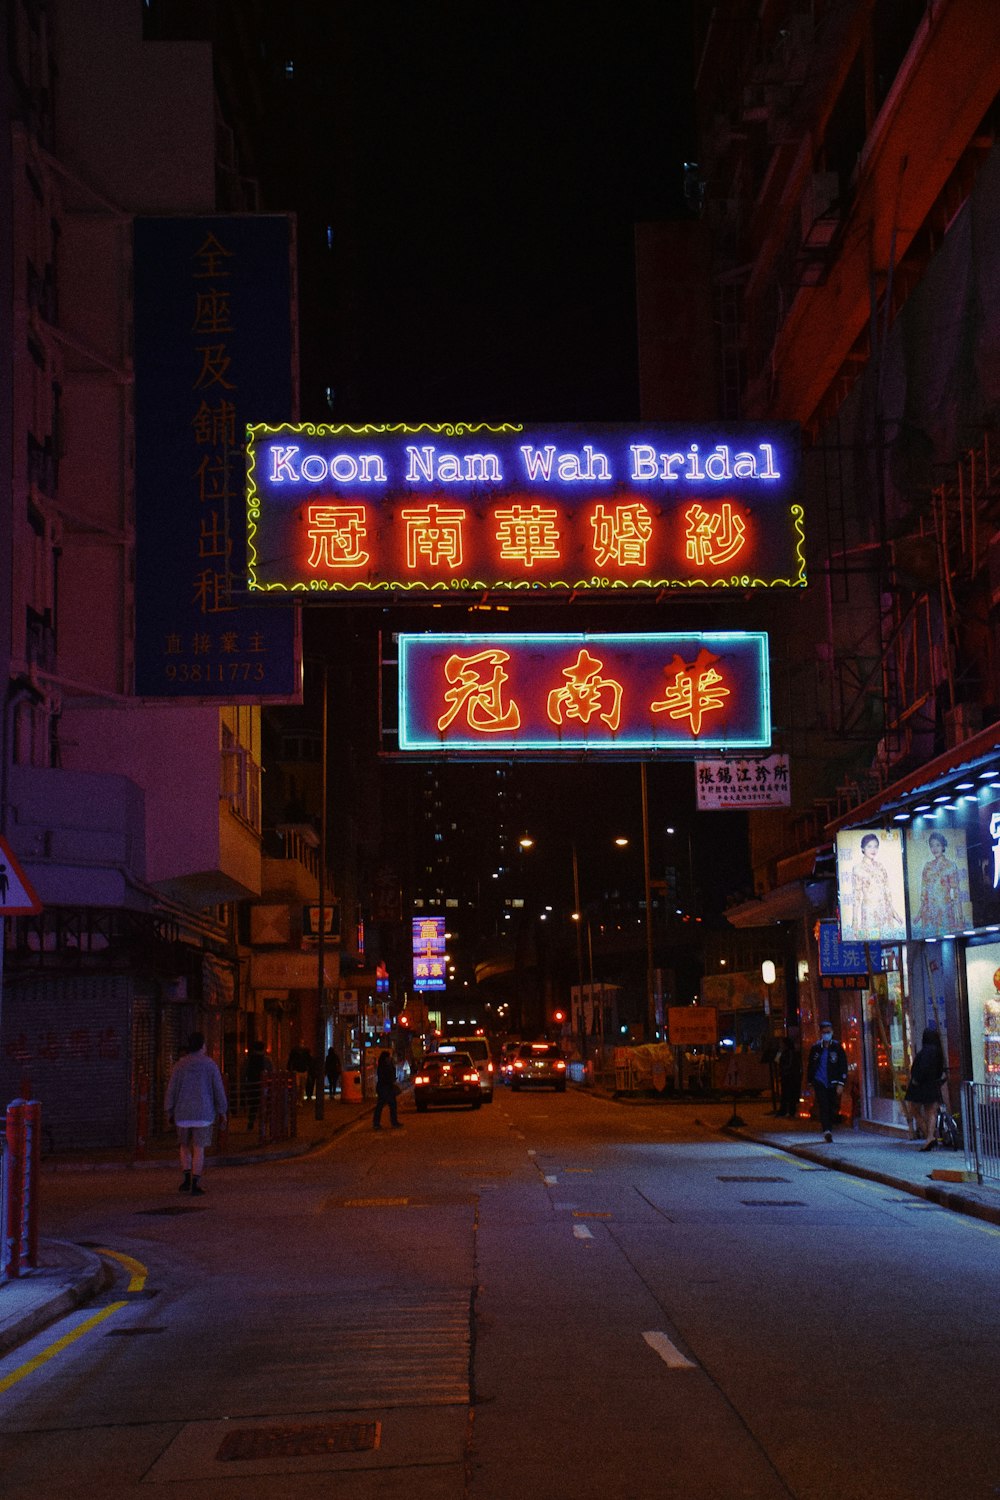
<point>681,694</point>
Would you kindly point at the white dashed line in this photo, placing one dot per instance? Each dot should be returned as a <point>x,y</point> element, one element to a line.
<point>581,1232</point>
<point>551,1181</point>
<point>668,1351</point>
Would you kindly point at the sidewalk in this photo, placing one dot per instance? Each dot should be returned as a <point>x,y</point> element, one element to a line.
<point>939,1176</point>
<point>68,1275</point>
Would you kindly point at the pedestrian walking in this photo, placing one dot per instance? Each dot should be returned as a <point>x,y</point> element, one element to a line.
<point>332,1070</point>
<point>258,1064</point>
<point>300,1063</point>
<point>923,1091</point>
<point>826,1071</point>
<point>196,1097</point>
<point>385,1091</point>
<point>789,1069</point>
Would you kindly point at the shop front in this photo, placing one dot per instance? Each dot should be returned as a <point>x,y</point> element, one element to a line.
<point>918,896</point>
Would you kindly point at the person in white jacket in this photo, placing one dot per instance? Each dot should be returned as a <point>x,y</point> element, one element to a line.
<point>196,1097</point>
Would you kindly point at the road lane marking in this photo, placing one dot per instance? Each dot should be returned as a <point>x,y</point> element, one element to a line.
<point>57,1348</point>
<point>578,1170</point>
<point>668,1351</point>
<point>582,1213</point>
<point>551,1181</point>
<point>376,1202</point>
<point>582,1232</point>
<point>137,1271</point>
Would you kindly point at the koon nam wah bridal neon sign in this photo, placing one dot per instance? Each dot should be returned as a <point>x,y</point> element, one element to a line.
<point>347,511</point>
<point>680,694</point>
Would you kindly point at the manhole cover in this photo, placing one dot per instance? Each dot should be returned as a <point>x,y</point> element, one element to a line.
<point>772,1203</point>
<point>254,1443</point>
<point>752,1179</point>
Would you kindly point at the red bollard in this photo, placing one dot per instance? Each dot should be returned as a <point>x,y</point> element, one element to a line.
<point>33,1160</point>
<point>24,1140</point>
<point>222,1142</point>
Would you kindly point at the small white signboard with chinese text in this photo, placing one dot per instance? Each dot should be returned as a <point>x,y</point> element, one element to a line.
<point>731,784</point>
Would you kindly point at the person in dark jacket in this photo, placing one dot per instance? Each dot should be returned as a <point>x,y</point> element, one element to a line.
<point>789,1069</point>
<point>826,1071</point>
<point>385,1091</point>
<point>332,1070</point>
<point>257,1065</point>
<point>924,1089</point>
<point>300,1062</point>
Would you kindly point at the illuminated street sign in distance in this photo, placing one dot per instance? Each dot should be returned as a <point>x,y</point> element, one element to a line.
<point>347,512</point>
<point>679,694</point>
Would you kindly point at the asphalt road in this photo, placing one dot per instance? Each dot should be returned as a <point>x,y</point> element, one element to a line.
<point>554,1296</point>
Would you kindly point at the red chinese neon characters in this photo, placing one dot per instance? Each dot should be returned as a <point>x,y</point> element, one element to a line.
<point>621,535</point>
<point>692,691</point>
<point>528,534</point>
<point>586,694</point>
<point>482,698</point>
<point>434,532</point>
<point>714,536</point>
<point>336,533</point>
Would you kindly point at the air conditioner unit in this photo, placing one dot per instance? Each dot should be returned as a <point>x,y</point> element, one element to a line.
<point>820,209</point>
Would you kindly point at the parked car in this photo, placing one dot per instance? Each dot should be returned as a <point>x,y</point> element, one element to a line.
<point>478,1048</point>
<point>447,1078</point>
<point>507,1055</point>
<point>539,1063</point>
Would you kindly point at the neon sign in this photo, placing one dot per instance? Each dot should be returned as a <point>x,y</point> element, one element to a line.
<point>343,512</point>
<point>640,693</point>
<point>429,956</point>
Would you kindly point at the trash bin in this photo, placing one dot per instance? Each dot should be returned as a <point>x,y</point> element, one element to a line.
<point>350,1086</point>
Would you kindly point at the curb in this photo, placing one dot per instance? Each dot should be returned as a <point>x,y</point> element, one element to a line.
<point>93,1277</point>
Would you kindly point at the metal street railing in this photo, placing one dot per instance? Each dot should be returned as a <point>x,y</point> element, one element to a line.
<point>981,1128</point>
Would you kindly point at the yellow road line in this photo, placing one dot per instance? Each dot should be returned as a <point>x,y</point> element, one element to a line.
<point>58,1346</point>
<point>138,1271</point>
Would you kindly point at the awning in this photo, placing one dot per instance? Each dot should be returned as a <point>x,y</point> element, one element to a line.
<point>976,754</point>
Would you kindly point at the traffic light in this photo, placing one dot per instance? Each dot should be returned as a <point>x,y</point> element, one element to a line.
<point>404,1022</point>
<point>559,1016</point>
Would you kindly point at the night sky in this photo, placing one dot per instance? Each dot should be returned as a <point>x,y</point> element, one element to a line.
<point>467,180</point>
<point>481,168</point>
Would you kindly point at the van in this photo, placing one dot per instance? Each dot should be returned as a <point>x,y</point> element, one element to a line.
<point>478,1049</point>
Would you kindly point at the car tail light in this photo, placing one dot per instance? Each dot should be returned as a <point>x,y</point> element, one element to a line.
<point>421,1078</point>
<point>489,1067</point>
<point>560,1067</point>
<point>470,1077</point>
<point>519,1064</point>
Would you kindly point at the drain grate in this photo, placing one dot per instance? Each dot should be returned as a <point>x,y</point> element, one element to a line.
<point>169,1213</point>
<point>751,1179</point>
<point>298,1441</point>
<point>772,1203</point>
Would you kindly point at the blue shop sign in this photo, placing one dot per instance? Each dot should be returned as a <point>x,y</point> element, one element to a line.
<point>836,957</point>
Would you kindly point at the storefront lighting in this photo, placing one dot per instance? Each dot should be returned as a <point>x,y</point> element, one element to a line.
<point>901,818</point>
<point>964,786</point>
<point>989,775</point>
<point>924,807</point>
<point>942,799</point>
<point>972,798</point>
